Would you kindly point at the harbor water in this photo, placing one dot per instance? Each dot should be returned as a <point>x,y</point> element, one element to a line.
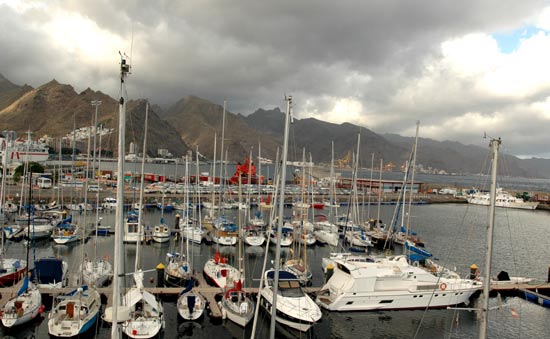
<point>454,233</point>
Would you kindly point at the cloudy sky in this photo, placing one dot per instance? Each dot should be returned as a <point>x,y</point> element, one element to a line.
<point>460,67</point>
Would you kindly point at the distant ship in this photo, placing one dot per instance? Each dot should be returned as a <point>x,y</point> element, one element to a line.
<point>503,199</point>
<point>21,150</point>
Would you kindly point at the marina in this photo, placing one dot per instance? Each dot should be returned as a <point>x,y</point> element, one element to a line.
<point>462,253</point>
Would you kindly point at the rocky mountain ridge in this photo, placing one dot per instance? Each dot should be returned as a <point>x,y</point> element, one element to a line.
<point>55,109</point>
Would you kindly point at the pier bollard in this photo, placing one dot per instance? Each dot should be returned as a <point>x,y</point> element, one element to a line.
<point>160,275</point>
<point>329,272</point>
<point>473,271</point>
<point>177,222</point>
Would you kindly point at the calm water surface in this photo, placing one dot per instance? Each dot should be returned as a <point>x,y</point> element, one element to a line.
<point>454,233</point>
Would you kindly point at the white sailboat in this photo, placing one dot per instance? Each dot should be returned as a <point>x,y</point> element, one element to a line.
<point>325,231</point>
<point>12,269</point>
<point>161,233</point>
<point>191,304</point>
<point>74,313</point>
<point>235,304</point>
<point>26,305</point>
<point>23,307</point>
<point>216,270</point>
<point>140,313</point>
<point>190,227</point>
<point>146,317</point>
<point>254,232</point>
<point>133,230</point>
<point>66,232</point>
<point>98,271</point>
<point>178,270</point>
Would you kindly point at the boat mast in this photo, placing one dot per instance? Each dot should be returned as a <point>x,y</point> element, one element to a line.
<point>28,228</point>
<point>411,192</point>
<point>380,189</point>
<point>281,215</point>
<point>97,200</point>
<point>494,146</point>
<point>141,184</point>
<point>213,181</point>
<point>186,203</point>
<point>270,218</point>
<point>370,186</point>
<point>3,188</point>
<point>332,186</point>
<point>198,208</point>
<point>119,221</point>
<point>221,165</point>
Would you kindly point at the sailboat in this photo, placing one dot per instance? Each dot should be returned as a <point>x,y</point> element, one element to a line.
<point>297,264</point>
<point>66,232</point>
<point>281,295</point>
<point>216,270</point>
<point>178,270</point>
<point>26,305</point>
<point>146,317</point>
<point>133,231</point>
<point>139,312</point>
<point>325,231</point>
<point>191,304</point>
<point>254,232</point>
<point>161,233</point>
<point>190,227</point>
<point>98,271</point>
<point>235,304</point>
<point>74,313</point>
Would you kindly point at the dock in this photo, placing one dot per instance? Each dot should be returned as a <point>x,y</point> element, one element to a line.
<point>210,293</point>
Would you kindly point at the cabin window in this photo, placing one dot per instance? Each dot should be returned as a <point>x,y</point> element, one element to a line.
<point>343,268</point>
<point>349,303</point>
<point>385,301</point>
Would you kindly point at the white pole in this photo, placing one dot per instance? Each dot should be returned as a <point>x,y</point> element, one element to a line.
<point>494,146</point>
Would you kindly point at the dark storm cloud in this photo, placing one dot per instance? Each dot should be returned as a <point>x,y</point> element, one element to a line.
<point>253,52</point>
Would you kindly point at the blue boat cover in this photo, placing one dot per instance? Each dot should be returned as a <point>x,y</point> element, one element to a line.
<point>283,275</point>
<point>48,270</point>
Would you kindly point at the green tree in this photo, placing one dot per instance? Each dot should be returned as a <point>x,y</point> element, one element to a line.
<point>33,167</point>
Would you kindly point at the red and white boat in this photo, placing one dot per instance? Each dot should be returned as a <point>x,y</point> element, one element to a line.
<point>11,270</point>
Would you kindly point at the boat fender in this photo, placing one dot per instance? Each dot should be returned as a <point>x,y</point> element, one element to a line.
<point>443,286</point>
<point>223,310</point>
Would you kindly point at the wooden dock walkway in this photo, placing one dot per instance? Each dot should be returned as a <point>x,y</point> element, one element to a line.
<point>210,293</point>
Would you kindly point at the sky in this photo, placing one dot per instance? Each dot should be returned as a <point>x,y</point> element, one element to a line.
<point>462,68</point>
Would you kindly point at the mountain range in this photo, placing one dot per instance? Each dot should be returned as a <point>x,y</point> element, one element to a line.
<point>55,109</point>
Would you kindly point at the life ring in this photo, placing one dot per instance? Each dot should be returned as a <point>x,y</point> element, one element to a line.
<point>443,286</point>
